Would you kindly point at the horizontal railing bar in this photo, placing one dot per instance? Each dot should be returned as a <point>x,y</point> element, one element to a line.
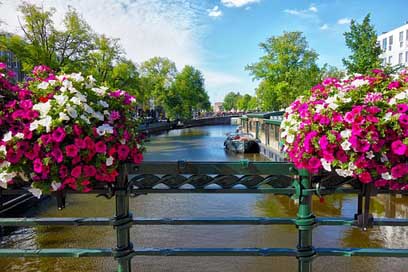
<point>277,191</point>
<point>367,252</point>
<point>212,168</point>
<point>104,221</point>
<point>214,252</point>
<point>57,252</point>
<point>214,221</point>
<point>16,204</point>
<point>60,221</point>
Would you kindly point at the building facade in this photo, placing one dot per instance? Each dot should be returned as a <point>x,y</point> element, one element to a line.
<point>11,61</point>
<point>218,107</point>
<point>394,45</point>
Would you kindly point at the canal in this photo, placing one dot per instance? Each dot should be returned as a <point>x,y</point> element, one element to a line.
<point>206,143</point>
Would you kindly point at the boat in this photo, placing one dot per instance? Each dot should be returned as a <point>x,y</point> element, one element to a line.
<point>241,143</point>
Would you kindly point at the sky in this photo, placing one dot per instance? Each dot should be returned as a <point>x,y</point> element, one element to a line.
<point>220,37</point>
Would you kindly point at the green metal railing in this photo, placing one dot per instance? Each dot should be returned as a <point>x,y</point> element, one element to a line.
<point>212,177</point>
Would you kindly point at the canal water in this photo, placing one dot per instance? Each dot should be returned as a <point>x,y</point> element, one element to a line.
<point>206,143</point>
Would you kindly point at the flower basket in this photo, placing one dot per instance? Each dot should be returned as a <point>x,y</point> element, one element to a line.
<point>64,131</point>
<point>355,128</point>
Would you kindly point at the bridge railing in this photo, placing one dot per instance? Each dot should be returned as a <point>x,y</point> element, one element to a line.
<point>213,177</point>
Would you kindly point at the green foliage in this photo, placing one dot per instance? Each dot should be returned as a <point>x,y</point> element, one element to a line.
<point>231,101</point>
<point>243,102</point>
<point>287,70</point>
<point>187,94</point>
<point>362,41</point>
<point>332,71</point>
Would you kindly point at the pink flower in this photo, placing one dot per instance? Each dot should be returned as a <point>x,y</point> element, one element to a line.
<point>38,166</point>
<point>402,108</point>
<point>123,152</point>
<point>63,171</point>
<point>26,104</point>
<point>58,135</point>
<point>115,115</point>
<point>77,130</point>
<point>399,170</point>
<point>394,85</point>
<point>398,147</point>
<point>45,139</point>
<point>3,65</point>
<point>57,154</point>
<point>403,119</point>
<point>13,156</point>
<point>71,151</point>
<point>89,170</point>
<point>100,147</point>
<point>80,143</point>
<point>314,164</point>
<point>365,177</point>
<point>76,171</point>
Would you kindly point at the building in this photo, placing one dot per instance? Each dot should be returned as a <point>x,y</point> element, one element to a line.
<point>11,61</point>
<point>218,107</point>
<point>394,45</point>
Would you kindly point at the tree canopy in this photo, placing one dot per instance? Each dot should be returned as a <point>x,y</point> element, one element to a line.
<point>365,52</point>
<point>286,70</point>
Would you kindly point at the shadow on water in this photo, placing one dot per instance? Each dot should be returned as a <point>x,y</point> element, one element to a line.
<point>206,143</point>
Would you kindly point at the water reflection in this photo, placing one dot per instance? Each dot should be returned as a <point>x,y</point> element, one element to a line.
<point>206,143</point>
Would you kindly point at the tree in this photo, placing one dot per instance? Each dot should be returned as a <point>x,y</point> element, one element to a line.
<point>243,101</point>
<point>332,71</point>
<point>287,70</point>
<point>188,91</point>
<point>230,101</point>
<point>158,74</point>
<point>44,44</point>
<point>362,41</point>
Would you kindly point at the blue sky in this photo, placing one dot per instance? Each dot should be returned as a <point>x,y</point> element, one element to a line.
<point>220,37</point>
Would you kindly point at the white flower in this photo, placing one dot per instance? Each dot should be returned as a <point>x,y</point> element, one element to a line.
<point>383,158</point>
<point>23,176</point>
<point>75,100</point>
<point>105,128</point>
<point>400,96</point>
<point>55,185</point>
<point>45,122</point>
<point>103,103</point>
<point>319,108</point>
<point>83,117</point>
<point>67,84</point>
<point>7,137</point>
<point>72,112</point>
<point>33,125</point>
<point>43,85</point>
<point>36,192</point>
<point>52,81</point>
<point>88,109</point>
<point>344,173</point>
<point>345,134</point>
<point>346,145</point>
<point>333,106</point>
<point>77,77</point>
<point>360,82</point>
<point>370,155</point>
<point>352,166</point>
<point>326,164</point>
<point>6,177</point>
<point>387,116</point>
<point>123,141</point>
<point>61,99</point>
<point>393,101</point>
<point>109,161</point>
<point>98,116</point>
<point>63,117</point>
<point>290,138</point>
<point>19,135</point>
<point>386,176</point>
<point>81,97</point>
<point>43,108</point>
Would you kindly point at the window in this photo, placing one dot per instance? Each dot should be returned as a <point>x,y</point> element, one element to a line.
<point>406,57</point>
<point>390,41</point>
<point>401,38</point>
<point>384,44</point>
<point>389,59</point>
<point>400,58</point>
<point>406,35</point>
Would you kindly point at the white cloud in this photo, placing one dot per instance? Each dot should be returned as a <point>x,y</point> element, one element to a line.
<point>344,21</point>
<point>304,13</point>
<point>214,12</point>
<point>313,8</point>
<point>324,27</point>
<point>238,3</point>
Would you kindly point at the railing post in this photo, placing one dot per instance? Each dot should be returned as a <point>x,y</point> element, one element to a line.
<point>123,222</point>
<point>256,129</point>
<point>305,222</point>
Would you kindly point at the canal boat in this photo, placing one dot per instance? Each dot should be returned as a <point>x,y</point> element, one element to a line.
<point>241,143</point>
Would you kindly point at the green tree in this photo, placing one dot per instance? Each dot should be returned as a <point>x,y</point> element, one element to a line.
<point>253,104</point>
<point>158,74</point>
<point>365,52</point>
<point>243,101</point>
<point>231,101</point>
<point>288,69</point>
<point>187,90</point>
<point>43,44</point>
<point>332,71</point>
